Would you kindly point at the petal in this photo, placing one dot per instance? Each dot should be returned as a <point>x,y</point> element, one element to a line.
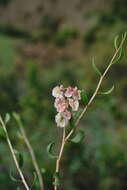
<point>74,104</point>
<point>69,92</point>
<point>57,92</point>
<point>67,114</point>
<point>61,107</point>
<point>60,120</point>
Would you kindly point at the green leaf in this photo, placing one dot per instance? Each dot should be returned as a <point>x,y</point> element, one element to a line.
<point>2,132</point>
<point>13,178</point>
<point>71,121</point>
<point>121,52</point>
<point>49,150</point>
<point>57,179</point>
<point>78,137</point>
<point>120,56</point>
<point>34,180</point>
<point>108,92</point>
<point>84,98</point>
<point>20,158</point>
<point>95,68</point>
<point>124,36</point>
<point>116,43</point>
<point>7,118</point>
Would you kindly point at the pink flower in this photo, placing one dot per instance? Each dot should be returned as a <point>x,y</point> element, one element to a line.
<point>74,104</point>
<point>59,101</point>
<point>73,92</point>
<point>61,107</point>
<point>65,98</point>
<point>69,92</point>
<point>67,114</point>
<point>60,104</point>
<point>61,120</point>
<point>57,92</point>
<point>76,94</point>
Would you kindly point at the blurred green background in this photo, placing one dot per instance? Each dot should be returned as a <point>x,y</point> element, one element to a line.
<point>44,43</point>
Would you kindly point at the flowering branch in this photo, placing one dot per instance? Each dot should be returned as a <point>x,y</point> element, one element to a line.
<point>3,125</point>
<point>98,86</point>
<point>70,96</point>
<point>34,160</point>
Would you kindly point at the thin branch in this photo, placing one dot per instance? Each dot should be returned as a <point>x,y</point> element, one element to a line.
<point>60,155</point>
<point>34,160</point>
<point>97,88</point>
<point>13,154</point>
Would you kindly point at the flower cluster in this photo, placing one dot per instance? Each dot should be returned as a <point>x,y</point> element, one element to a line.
<point>66,100</point>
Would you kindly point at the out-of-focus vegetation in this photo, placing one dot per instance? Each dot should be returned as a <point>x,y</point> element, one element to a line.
<point>31,64</point>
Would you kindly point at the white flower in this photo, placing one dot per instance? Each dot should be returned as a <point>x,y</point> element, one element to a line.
<point>61,120</point>
<point>57,92</point>
<point>74,104</point>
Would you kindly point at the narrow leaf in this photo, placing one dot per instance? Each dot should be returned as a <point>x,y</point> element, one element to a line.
<point>72,123</point>
<point>108,92</point>
<point>20,158</point>
<point>57,179</point>
<point>13,178</point>
<point>49,150</point>
<point>120,56</point>
<point>34,180</point>
<point>95,67</point>
<point>2,132</point>
<point>124,36</point>
<point>7,118</point>
<point>116,43</point>
<point>78,137</point>
<point>84,98</point>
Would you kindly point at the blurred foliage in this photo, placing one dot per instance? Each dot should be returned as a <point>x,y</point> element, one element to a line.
<point>4,2</point>
<point>100,161</point>
<point>62,37</point>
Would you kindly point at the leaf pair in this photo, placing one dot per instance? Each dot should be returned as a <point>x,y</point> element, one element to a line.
<point>118,44</point>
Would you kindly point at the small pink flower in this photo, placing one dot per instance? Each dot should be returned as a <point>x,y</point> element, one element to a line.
<point>59,101</point>
<point>74,104</point>
<point>57,92</point>
<point>67,114</point>
<point>61,107</point>
<point>69,92</point>
<point>76,94</point>
<point>61,120</point>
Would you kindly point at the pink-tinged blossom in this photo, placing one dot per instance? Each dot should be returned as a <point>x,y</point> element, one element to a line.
<point>59,101</point>
<point>61,120</point>
<point>73,92</point>
<point>76,94</point>
<point>69,92</point>
<point>66,99</point>
<point>74,104</point>
<point>57,92</point>
<point>67,114</point>
<point>61,107</point>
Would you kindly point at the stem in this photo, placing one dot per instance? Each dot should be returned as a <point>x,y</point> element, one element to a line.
<point>13,154</point>
<point>97,88</point>
<point>60,155</point>
<point>65,138</point>
<point>34,160</point>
